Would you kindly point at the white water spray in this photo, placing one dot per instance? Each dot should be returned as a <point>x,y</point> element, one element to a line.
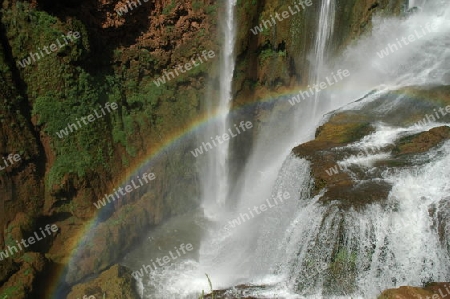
<point>215,182</point>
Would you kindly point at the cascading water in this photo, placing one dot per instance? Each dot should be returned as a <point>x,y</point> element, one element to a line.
<point>380,247</point>
<point>291,247</point>
<point>384,245</point>
<point>215,180</point>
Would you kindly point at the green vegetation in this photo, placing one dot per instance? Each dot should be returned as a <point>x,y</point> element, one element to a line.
<point>268,55</point>
<point>342,272</point>
<point>11,292</point>
<point>28,258</point>
<point>344,256</point>
<point>245,5</point>
<point>83,149</point>
<point>60,90</point>
<point>211,10</point>
<point>9,239</point>
<point>197,5</point>
<point>168,9</point>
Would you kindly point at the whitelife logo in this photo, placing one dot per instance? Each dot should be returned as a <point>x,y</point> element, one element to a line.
<point>12,159</point>
<point>128,188</point>
<point>124,8</point>
<point>31,240</point>
<point>285,14</point>
<point>53,48</point>
<point>391,48</point>
<point>436,296</point>
<point>188,66</point>
<point>199,151</point>
<point>90,118</point>
<point>375,149</point>
<point>262,208</point>
<point>341,74</point>
<point>163,261</point>
<point>430,118</point>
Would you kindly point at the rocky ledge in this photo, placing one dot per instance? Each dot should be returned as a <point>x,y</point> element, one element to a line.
<point>357,187</point>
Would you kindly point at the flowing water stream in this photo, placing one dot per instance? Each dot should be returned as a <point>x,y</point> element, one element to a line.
<point>215,191</point>
<point>288,247</point>
<point>324,32</point>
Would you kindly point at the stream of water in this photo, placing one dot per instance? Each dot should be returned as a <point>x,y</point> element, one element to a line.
<point>215,191</point>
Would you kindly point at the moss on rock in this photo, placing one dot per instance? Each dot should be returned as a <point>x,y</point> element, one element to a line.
<point>116,282</point>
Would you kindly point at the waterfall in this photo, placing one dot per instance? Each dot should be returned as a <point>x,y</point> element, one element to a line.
<point>215,182</point>
<point>324,32</point>
<point>289,247</point>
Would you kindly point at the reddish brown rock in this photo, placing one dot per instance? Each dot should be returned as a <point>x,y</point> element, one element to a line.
<point>437,290</point>
<point>340,130</point>
<point>422,142</point>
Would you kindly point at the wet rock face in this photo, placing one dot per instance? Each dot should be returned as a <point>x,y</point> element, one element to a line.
<point>422,142</point>
<point>328,149</point>
<point>354,186</point>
